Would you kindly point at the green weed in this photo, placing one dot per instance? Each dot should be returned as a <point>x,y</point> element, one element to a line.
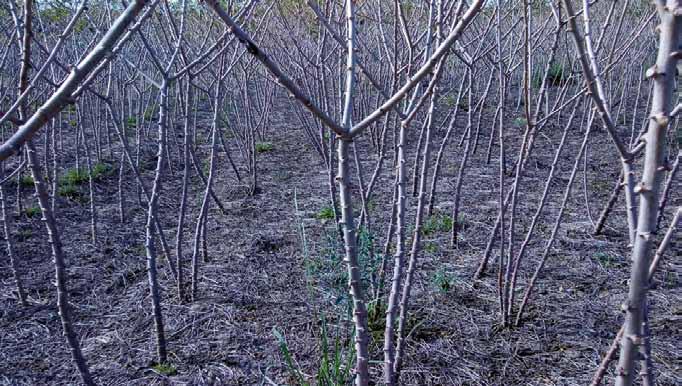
<point>671,279</point>
<point>32,211</point>
<point>288,358</point>
<point>449,100</point>
<point>335,362</point>
<point>443,281</point>
<point>166,369</point>
<point>26,180</point>
<point>326,213</point>
<point>74,176</point>
<point>101,170</point>
<point>329,273</point>
<point>376,321</point>
<point>437,223</point>
<point>555,76</point>
<point>264,147</point>
<point>431,247</point>
<point>70,191</point>
<point>520,122</point>
<point>607,260</point>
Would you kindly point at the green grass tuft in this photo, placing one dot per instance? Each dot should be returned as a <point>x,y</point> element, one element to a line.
<point>74,176</point>
<point>166,369</point>
<point>334,364</point>
<point>264,147</point>
<point>101,170</point>
<point>431,247</point>
<point>449,100</point>
<point>26,180</point>
<point>520,122</point>
<point>555,76</point>
<point>326,213</point>
<point>608,260</point>
<point>443,281</point>
<point>437,223</point>
<point>70,191</point>
<point>32,211</point>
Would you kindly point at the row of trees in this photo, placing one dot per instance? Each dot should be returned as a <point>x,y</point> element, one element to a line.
<point>113,88</point>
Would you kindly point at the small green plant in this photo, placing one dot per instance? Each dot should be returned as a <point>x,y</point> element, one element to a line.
<point>431,247</point>
<point>80,25</point>
<point>328,271</point>
<point>367,259</point>
<point>333,368</point>
<point>671,279</point>
<point>376,321</point>
<point>74,176</point>
<point>375,316</point>
<point>449,100</point>
<point>520,122</point>
<point>32,211</point>
<point>556,75</point>
<point>71,180</point>
<point>443,281</point>
<point>288,358</point>
<point>166,369</point>
<point>263,147</point>
<point>131,122</point>
<point>326,213</point>
<point>206,166</point>
<point>101,170</point>
<point>55,14</point>
<point>70,191</point>
<point>437,223</point>
<point>607,260</point>
<point>26,180</point>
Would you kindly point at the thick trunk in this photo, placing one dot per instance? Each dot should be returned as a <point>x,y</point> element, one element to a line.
<point>663,76</point>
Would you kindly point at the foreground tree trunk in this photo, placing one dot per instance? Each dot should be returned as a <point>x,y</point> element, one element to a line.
<point>347,220</point>
<point>152,214</point>
<point>663,76</point>
<point>46,210</point>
